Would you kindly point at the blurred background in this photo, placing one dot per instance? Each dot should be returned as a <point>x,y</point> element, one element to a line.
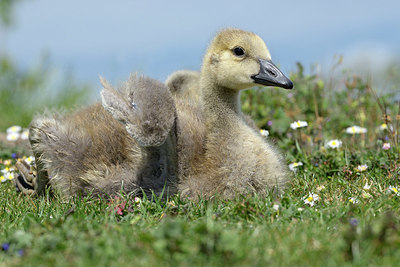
<point>52,52</point>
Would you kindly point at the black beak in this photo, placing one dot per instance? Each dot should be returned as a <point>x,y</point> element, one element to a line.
<point>270,75</point>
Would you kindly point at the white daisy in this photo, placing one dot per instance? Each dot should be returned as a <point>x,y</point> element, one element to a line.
<point>294,165</point>
<point>25,134</point>
<point>12,136</point>
<point>298,124</point>
<point>9,175</point>
<point>264,132</point>
<point>335,143</point>
<point>355,130</point>
<point>311,199</point>
<point>383,126</point>
<point>353,200</point>
<point>6,170</point>
<point>362,168</point>
<point>14,129</point>
<point>394,190</point>
<point>30,159</point>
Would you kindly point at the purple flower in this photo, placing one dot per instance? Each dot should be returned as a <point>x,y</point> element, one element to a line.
<point>353,222</point>
<point>269,123</point>
<point>5,246</point>
<point>20,252</point>
<point>14,155</point>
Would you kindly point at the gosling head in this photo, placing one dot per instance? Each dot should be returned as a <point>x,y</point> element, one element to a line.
<point>238,60</point>
<point>144,106</point>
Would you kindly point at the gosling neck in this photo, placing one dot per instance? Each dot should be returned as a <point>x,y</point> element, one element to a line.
<point>219,100</point>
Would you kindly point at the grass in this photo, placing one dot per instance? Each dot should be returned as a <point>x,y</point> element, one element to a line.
<point>354,222</point>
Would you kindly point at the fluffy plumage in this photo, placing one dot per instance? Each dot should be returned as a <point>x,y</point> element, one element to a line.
<point>91,152</point>
<point>195,143</point>
<point>185,84</point>
<point>235,158</point>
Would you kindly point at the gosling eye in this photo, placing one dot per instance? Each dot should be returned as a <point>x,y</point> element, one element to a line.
<point>238,51</point>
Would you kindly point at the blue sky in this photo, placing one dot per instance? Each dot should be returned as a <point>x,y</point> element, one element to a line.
<point>114,38</point>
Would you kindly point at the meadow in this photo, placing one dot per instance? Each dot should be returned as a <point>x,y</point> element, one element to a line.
<point>340,135</point>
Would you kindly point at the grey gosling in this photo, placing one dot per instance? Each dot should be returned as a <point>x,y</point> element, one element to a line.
<point>234,158</point>
<point>128,144</point>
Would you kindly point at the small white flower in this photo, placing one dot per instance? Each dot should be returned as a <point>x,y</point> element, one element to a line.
<point>367,186</point>
<point>385,126</point>
<point>320,188</point>
<point>264,132</point>
<point>25,134</point>
<point>294,165</point>
<point>353,200</point>
<point>362,168</point>
<point>8,176</point>
<point>300,209</point>
<point>355,130</point>
<point>6,170</point>
<point>298,124</point>
<point>30,159</point>
<point>14,129</point>
<point>386,146</point>
<point>311,199</point>
<point>275,207</point>
<point>12,136</point>
<point>394,190</point>
<point>335,143</point>
<point>137,200</point>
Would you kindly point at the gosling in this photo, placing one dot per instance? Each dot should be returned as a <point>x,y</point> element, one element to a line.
<point>235,158</point>
<point>127,145</point>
